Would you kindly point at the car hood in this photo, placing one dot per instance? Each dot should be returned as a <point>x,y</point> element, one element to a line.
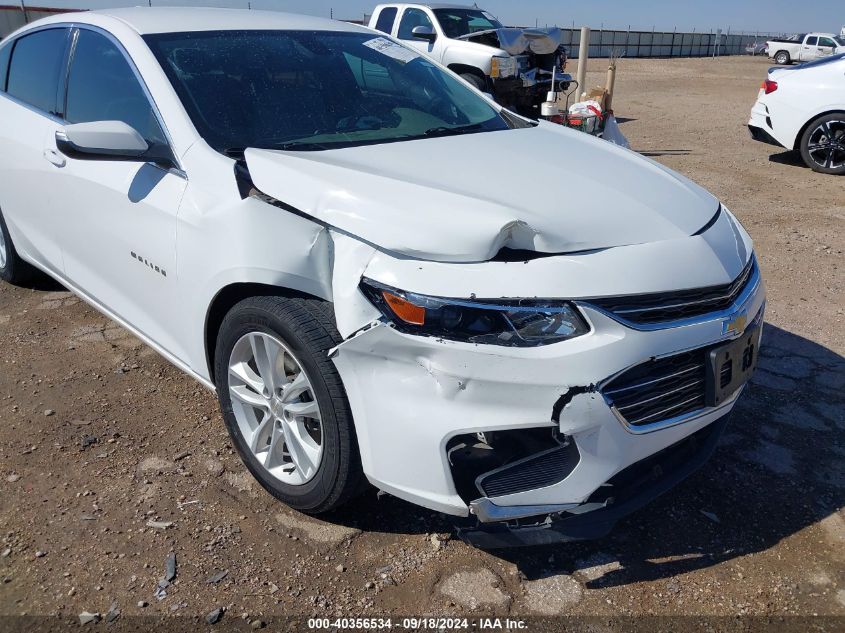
<point>463,198</point>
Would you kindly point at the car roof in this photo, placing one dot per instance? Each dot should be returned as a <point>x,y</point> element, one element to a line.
<point>432,5</point>
<point>148,20</point>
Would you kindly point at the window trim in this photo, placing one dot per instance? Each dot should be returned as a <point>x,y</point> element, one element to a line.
<point>71,54</point>
<point>73,29</point>
<point>13,43</point>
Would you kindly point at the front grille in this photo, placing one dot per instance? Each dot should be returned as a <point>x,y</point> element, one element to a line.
<point>659,389</point>
<point>538,471</point>
<point>662,307</point>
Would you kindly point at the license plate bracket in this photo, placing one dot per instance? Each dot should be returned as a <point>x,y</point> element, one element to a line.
<point>730,366</point>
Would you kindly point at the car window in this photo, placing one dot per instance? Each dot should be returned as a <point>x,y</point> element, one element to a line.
<point>5,54</point>
<point>102,86</point>
<point>36,67</point>
<point>314,90</point>
<point>812,41</point>
<point>459,22</point>
<point>826,41</point>
<point>411,19</point>
<point>386,19</point>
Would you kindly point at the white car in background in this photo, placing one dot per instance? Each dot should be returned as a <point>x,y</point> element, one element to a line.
<point>311,219</point>
<point>804,48</point>
<point>803,108</point>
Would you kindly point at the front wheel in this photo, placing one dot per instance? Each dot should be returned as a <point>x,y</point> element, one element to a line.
<point>13,269</point>
<point>782,58</point>
<point>283,401</point>
<point>475,80</point>
<point>823,144</point>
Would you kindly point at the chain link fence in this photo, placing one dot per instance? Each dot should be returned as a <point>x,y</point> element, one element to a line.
<point>660,43</point>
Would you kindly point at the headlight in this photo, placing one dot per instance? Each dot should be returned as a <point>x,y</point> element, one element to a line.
<point>522,323</point>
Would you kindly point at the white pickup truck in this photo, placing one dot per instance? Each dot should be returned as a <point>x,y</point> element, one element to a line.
<point>514,65</point>
<point>805,48</point>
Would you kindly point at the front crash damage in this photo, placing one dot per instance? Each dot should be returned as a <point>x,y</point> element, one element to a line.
<point>540,59</point>
<point>520,444</point>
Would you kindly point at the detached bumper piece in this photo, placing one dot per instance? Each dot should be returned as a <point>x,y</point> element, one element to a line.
<point>624,493</point>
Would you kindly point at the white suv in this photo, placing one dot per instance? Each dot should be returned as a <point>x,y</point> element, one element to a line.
<point>313,220</point>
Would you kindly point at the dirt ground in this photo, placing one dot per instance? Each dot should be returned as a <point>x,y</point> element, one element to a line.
<point>103,444</point>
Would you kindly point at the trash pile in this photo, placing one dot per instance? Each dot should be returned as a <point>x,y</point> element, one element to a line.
<point>592,113</point>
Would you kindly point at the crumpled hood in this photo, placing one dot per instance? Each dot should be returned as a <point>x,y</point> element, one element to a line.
<point>463,198</point>
<point>517,41</point>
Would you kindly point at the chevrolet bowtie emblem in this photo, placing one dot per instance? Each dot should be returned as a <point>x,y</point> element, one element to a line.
<point>735,324</point>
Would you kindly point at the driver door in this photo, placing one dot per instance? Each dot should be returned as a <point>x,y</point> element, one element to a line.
<point>826,47</point>
<point>412,18</point>
<point>119,220</point>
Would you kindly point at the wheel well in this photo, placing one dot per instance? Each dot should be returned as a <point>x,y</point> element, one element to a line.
<point>225,300</point>
<point>463,69</point>
<point>800,135</point>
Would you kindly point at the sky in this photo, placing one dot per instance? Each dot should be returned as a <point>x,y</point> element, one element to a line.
<point>776,16</point>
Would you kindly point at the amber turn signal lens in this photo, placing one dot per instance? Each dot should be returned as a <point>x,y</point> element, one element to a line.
<point>404,309</point>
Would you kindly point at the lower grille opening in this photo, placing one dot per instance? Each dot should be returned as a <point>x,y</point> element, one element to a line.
<point>507,462</point>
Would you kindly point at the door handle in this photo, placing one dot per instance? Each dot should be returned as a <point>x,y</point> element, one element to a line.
<point>54,157</point>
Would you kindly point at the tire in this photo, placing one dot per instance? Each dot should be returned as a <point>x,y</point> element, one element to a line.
<point>475,80</point>
<point>13,269</point>
<point>823,144</point>
<point>306,330</point>
<point>783,58</point>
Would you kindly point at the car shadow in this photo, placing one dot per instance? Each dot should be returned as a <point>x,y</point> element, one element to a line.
<point>42,282</point>
<point>778,469</point>
<point>789,157</point>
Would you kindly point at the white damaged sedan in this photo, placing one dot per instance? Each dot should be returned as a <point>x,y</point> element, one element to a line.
<point>342,239</point>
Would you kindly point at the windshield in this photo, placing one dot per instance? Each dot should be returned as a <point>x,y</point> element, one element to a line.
<point>459,22</point>
<point>840,41</point>
<point>305,91</point>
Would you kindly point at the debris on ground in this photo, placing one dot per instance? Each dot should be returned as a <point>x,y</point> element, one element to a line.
<point>89,618</point>
<point>213,617</point>
<point>216,578</point>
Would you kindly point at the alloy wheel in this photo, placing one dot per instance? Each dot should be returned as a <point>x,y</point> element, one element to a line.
<point>276,409</point>
<point>826,146</point>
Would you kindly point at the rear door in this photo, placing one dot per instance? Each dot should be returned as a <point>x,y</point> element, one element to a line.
<point>810,49</point>
<point>386,19</point>
<point>119,218</point>
<point>28,111</point>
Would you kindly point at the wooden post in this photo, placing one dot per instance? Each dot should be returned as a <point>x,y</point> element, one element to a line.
<point>583,56</point>
<point>611,83</point>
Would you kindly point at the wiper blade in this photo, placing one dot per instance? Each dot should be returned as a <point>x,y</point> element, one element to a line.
<point>234,152</point>
<point>302,146</point>
<point>451,131</point>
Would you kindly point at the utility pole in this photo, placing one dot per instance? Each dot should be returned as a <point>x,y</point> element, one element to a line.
<point>23,10</point>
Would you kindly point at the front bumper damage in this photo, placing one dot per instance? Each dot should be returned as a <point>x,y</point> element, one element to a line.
<point>414,397</point>
<point>623,494</point>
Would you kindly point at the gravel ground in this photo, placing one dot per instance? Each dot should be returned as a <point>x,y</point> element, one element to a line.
<point>111,459</point>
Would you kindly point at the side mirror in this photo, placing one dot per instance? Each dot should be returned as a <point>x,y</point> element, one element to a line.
<point>424,33</point>
<point>109,140</point>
